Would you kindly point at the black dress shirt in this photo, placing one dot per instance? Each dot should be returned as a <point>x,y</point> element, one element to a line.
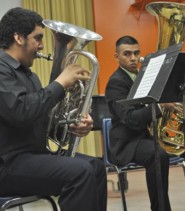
<point>24,107</point>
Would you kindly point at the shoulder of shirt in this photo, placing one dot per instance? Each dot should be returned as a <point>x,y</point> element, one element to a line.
<point>8,60</point>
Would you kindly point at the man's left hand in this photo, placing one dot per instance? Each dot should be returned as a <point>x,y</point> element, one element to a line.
<point>84,127</point>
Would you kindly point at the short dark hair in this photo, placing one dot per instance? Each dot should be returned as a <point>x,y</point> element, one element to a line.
<point>19,20</point>
<point>126,40</point>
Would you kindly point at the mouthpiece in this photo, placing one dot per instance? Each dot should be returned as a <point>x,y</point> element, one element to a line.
<point>141,59</point>
<point>40,55</point>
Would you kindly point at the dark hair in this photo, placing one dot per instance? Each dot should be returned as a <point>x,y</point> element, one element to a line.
<point>19,20</point>
<point>126,40</point>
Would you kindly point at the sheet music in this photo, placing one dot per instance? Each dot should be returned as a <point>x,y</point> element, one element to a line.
<point>149,76</point>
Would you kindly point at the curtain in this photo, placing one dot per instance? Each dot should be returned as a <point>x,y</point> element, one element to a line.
<point>77,12</point>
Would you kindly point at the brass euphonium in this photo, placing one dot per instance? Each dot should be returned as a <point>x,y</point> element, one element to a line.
<point>69,40</point>
<point>171,30</point>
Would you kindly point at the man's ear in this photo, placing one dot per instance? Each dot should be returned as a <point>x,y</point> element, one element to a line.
<point>116,55</point>
<point>19,39</point>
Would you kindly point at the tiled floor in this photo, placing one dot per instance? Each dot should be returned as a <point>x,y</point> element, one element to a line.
<point>136,196</point>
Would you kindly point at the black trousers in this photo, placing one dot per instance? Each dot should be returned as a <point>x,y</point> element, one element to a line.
<point>145,156</point>
<point>79,182</point>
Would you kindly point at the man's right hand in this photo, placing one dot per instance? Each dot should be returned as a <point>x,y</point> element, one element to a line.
<point>71,74</point>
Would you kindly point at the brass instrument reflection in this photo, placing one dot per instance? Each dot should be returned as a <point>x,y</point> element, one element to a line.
<point>171,30</point>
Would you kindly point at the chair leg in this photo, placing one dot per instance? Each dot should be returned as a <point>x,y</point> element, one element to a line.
<point>122,189</point>
<point>19,202</point>
<point>183,167</point>
<point>114,188</point>
<point>21,208</point>
<point>52,202</point>
<point>124,175</point>
<point>49,199</point>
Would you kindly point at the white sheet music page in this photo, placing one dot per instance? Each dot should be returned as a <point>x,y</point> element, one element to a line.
<point>149,76</point>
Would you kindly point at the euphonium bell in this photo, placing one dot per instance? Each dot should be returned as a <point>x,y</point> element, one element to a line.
<point>69,40</point>
<point>171,30</point>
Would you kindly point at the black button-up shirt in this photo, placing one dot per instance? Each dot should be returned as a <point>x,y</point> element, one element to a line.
<point>24,107</point>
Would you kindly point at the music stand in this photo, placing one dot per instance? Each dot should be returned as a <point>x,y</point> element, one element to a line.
<point>155,84</point>
<point>99,111</point>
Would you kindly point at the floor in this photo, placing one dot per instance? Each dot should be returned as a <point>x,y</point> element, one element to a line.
<point>136,196</point>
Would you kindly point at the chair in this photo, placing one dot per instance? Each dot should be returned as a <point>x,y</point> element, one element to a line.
<point>111,167</point>
<point>100,111</point>
<point>17,201</point>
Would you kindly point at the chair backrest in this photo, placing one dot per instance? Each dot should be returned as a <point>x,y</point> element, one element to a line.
<point>99,111</point>
<point>106,126</point>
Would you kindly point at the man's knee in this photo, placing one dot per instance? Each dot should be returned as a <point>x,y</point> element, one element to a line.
<point>98,165</point>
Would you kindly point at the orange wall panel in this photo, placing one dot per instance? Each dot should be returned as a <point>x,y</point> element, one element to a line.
<point>115,18</point>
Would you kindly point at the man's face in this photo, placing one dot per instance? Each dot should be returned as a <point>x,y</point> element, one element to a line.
<point>128,56</point>
<point>32,44</point>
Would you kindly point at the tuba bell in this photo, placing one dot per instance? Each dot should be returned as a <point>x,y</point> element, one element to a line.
<point>171,30</point>
<point>69,40</point>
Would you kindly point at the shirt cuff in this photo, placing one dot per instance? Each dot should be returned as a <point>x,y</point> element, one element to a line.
<point>57,90</point>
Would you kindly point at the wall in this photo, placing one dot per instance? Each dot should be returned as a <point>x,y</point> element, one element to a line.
<point>115,18</point>
<point>7,4</point>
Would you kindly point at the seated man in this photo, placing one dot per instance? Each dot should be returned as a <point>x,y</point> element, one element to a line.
<point>26,166</point>
<point>130,139</point>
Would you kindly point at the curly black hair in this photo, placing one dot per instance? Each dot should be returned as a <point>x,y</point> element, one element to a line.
<point>17,20</point>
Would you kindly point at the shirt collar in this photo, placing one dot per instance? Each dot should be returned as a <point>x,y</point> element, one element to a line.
<point>132,75</point>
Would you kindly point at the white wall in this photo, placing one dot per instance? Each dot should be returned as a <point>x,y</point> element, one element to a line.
<point>8,4</point>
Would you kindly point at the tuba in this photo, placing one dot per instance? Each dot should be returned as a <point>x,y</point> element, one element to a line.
<point>69,40</point>
<point>171,30</point>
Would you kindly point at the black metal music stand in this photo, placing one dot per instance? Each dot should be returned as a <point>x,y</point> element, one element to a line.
<point>99,111</point>
<point>167,87</point>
